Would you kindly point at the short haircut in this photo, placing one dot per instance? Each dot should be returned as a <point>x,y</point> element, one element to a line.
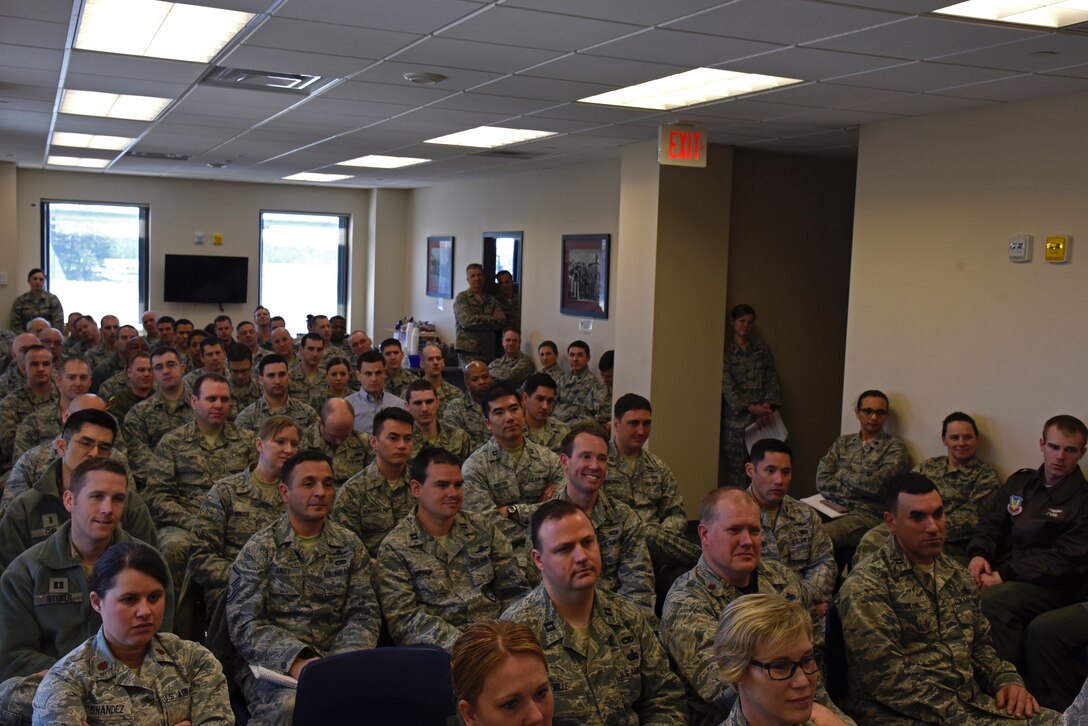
<point>431,455</point>
<point>209,342</point>
<point>137,356</point>
<point>393,413</point>
<point>269,360</point>
<point>761,448</point>
<point>245,324</point>
<point>631,402</point>
<point>203,378</point>
<point>495,393</point>
<point>165,319</point>
<point>511,329</point>
<point>161,350</point>
<point>756,622</point>
<point>538,380</point>
<point>549,344</point>
<point>708,508</point>
<point>500,273</point>
<point>275,424</point>
<point>183,321</point>
<point>390,343</point>
<point>32,348</point>
<point>739,311</point>
<point>957,416</point>
<point>126,325</point>
<point>81,318</point>
<point>482,647</point>
<point>871,393</point>
<point>416,386</point>
<point>471,266</point>
<point>221,318</point>
<point>36,270</point>
<point>607,361</point>
<point>276,318</point>
<point>286,474</point>
<point>337,317</point>
<point>69,360</point>
<point>579,344</point>
<point>88,416</point>
<point>371,356</point>
<point>236,353</point>
<point>549,510</point>
<point>81,472</point>
<point>566,446</point>
<point>1068,425</point>
<point>312,336</point>
<point>199,333</point>
<point>128,555</point>
<point>908,482</point>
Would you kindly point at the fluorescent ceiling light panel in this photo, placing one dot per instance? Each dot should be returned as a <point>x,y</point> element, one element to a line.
<point>1052,14</point>
<point>90,141</point>
<point>488,137</point>
<point>112,105</point>
<point>689,88</point>
<point>78,161</point>
<point>311,176</point>
<point>377,161</point>
<point>157,29</point>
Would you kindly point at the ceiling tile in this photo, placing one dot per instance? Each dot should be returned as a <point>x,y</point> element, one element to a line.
<point>1018,88</point>
<point>129,66</point>
<point>353,112</point>
<point>404,93</point>
<point>681,48</point>
<point>811,64</point>
<point>1040,53</point>
<point>925,38</point>
<point>452,53</point>
<point>829,95</point>
<point>593,113</point>
<point>20,31</point>
<point>412,16</point>
<point>534,29</point>
<point>755,108</point>
<point>493,104</point>
<point>13,79</point>
<point>453,118</point>
<point>920,77</point>
<point>606,71</point>
<point>642,12</point>
<point>328,38</point>
<point>98,125</point>
<point>542,88</point>
<point>842,117</point>
<point>457,79</point>
<point>902,6</point>
<point>777,21</point>
<point>21,56</point>
<point>55,11</point>
<point>286,61</point>
<point>923,103</point>
<point>120,84</point>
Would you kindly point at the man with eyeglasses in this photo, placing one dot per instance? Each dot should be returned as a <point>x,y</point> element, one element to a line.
<point>730,532</point>
<point>37,513</point>
<point>855,468</point>
<point>165,410</point>
<point>916,639</point>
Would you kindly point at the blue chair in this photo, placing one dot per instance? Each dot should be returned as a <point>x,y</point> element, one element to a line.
<point>401,685</point>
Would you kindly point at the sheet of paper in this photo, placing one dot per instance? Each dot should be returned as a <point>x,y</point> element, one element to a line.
<point>263,674</point>
<point>824,506</point>
<point>773,429</point>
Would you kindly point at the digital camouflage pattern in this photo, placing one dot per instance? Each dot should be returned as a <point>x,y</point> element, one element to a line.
<point>302,388</point>
<point>477,318</point>
<point>465,413</point>
<point>582,396</point>
<point>550,435</point>
<point>447,393</point>
<point>369,507</point>
<point>253,416</point>
<point>403,378</point>
<point>26,308</point>
<point>852,473</point>
<point>40,426</point>
<point>453,440</point>
<point>145,425</point>
<point>112,385</point>
<point>30,467</point>
<point>15,407</point>
<point>797,539</point>
<point>120,403</point>
<point>348,459</point>
<point>11,380</point>
<point>749,376</point>
<point>512,371</point>
<point>241,397</point>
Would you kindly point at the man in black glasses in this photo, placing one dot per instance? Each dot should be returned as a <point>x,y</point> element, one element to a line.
<point>731,532</point>
<point>917,643</point>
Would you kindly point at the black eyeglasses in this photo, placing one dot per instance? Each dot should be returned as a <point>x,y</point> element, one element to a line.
<point>873,411</point>
<point>783,670</point>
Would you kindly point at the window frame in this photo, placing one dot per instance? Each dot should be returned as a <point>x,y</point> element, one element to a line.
<point>343,256</point>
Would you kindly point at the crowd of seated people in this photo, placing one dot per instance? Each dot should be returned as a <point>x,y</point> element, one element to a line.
<point>299,497</point>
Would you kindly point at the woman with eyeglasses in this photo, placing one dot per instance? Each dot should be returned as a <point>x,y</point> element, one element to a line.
<point>763,646</point>
<point>129,672</point>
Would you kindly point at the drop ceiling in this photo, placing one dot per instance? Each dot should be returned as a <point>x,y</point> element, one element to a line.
<point>518,63</point>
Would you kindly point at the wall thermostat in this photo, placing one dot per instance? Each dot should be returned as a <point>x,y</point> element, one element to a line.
<point>1020,248</point>
<point>1057,248</point>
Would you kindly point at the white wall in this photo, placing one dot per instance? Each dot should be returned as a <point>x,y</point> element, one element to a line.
<point>178,209</point>
<point>939,317</point>
<point>544,205</point>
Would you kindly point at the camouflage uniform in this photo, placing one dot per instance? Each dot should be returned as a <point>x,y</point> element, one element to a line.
<point>348,459</point>
<point>447,394</point>
<point>106,369</point>
<point>234,510</point>
<point>73,347</point>
<point>550,435</point>
<point>748,376</point>
<point>40,426</point>
<point>619,675</point>
<point>254,415</point>
<point>302,388</point>
<point>625,560</point>
<point>689,620</point>
<point>26,308</point>
<point>651,490</point>
<point>97,355</point>
<point>465,413</point>
<point>11,381</point>
<point>15,407</point>
<point>145,425</point>
<point>396,384</point>
<point>283,604</point>
<point>113,384</point>
<point>451,439</point>
<point>555,371</point>
<point>736,718</point>
<point>44,613</point>
<point>370,508</point>
<point>178,680</point>
<point>30,467</point>
<point>184,468</point>
<point>797,539</point>
<point>963,491</point>
<point>852,474</point>
<point>120,403</point>
<point>476,325</point>
<point>242,397</point>
<point>492,479</point>
<point>582,396</point>
<point>429,592</point>
<point>920,653</point>
<point>34,515</point>
<point>512,371</point>
<point>1077,714</point>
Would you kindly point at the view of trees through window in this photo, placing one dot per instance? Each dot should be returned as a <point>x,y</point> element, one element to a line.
<point>303,265</point>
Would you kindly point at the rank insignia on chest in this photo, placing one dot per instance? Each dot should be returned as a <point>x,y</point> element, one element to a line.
<point>50,521</point>
<point>1016,504</point>
<point>58,585</point>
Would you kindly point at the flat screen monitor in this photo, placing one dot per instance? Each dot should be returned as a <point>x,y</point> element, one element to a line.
<point>205,279</point>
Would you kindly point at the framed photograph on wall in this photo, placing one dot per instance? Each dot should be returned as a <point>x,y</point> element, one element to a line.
<point>584,284</point>
<point>440,267</point>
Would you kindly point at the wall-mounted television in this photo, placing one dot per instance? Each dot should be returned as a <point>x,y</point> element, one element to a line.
<point>205,279</point>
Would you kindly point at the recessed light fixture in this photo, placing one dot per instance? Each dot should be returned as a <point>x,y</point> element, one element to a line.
<point>90,141</point>
<point>1052,14</point>
<point>425,79</point>
<point>689,88</point>
<point>488,137</point>
<point>377,161</point>
<point>157,29</point>
<point>312,176</point>
<point>112,105</point>
<point>78,161</point>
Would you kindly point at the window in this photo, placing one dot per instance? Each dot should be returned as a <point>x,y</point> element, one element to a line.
<point>95,257</point>
<point>304,265</point>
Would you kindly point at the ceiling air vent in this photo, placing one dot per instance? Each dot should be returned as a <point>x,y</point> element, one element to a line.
<point>260,80</point>
<point>157,155</point>
<point>511,154</point>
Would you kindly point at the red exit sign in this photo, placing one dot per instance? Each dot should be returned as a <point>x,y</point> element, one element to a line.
<point>681,146</point>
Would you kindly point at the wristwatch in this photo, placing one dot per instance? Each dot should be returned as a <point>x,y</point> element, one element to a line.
<point>513,514</point>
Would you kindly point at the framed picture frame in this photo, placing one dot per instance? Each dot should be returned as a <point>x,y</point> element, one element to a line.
<point>584,281</point>
<point>440,267</point>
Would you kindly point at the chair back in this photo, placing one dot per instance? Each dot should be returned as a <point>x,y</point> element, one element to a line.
<point>836,676</point>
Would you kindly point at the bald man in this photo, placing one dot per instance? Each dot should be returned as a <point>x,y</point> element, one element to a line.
<point>334,435</point>
<point>13,378</point>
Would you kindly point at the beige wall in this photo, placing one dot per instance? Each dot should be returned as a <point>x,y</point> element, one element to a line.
<point>9,243</point>
<point>178,209</point>
<point>544,205</point>
<point>939,317</point>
